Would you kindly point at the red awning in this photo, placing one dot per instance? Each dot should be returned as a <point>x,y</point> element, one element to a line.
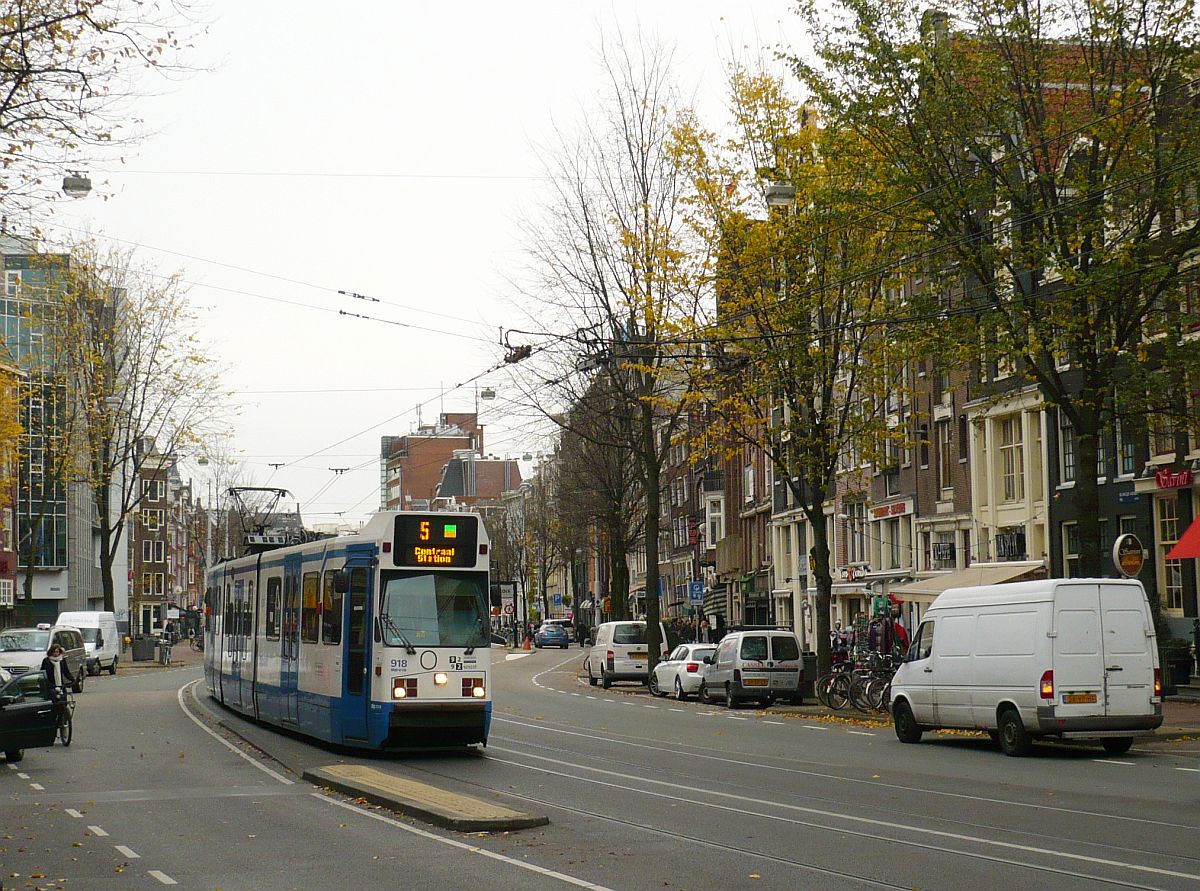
<point>1188,545</point>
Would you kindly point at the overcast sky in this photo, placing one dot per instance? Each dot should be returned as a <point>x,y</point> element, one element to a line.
<point>390,149</point>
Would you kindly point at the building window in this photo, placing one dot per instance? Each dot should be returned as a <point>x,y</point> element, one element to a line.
<point>1066,449</point>
<point>152,490</point>
<point>715,521</point>
<point>1170,571</point>
<point>962,438</point>
<point>1012,459</point>
<point>1070,545</point>
<point>1126,449</point>
<point>160,584</point>
<point>147,551</point>
<point>923,444</point>
<point>943,551</point>
<point>945,458</point>
<point>160,552</point>
<point>748,482</point>
<point>7,592</point>
<point>1162,438</point>
<point>152,519</point>
<point>856,532</point>
<point>893,541</point>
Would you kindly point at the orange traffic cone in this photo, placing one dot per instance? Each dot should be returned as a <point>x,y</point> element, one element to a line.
<point>525,646</point>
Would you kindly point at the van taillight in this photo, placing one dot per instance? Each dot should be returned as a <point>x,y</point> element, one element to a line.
<point>1158,682</point>
<point>1047,684</point>
<point>612,658</point>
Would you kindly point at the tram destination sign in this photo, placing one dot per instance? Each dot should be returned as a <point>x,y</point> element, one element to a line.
<point>436,540</point>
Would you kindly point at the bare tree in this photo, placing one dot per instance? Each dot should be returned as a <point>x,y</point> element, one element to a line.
<point>615,258</point>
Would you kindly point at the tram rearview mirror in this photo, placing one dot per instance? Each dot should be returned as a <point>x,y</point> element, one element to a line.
<point>341,581</point>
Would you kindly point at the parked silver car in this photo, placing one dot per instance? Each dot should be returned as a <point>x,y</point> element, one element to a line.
<point>23,649</point>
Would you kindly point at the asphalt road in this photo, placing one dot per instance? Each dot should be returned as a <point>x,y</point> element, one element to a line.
<point>642,793</point>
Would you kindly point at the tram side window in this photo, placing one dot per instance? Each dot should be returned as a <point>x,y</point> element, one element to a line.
<point>248,605</point>
<point>272,610</point>
<point>227,623</point>
<point>331,612</point>
<point>310,616</point>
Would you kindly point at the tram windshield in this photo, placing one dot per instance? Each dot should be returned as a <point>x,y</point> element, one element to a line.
<point>434,609</point>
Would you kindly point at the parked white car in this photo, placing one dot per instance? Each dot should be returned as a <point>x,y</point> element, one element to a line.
<point>682,671</point>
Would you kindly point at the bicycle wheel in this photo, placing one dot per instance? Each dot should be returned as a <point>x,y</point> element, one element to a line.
<point>875,690</point>
<point>66,727</point>
<point>858,693</point>
<point>839,691</point>
<point>822,688</point>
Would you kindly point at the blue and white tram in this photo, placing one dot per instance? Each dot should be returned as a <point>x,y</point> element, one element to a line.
<point>377,640</point>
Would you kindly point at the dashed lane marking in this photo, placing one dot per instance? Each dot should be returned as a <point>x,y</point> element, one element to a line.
<point>23,776</point>
<point>815,727</point>
<point>679,710</point>
<point>776,723</point>
<point>162,877</point>
<point>511,656</point>
<point>38,786</point>
<point>128,852</point>
<point>649,706</point>
<point>860,733</point>
<point>97,831</point>
<point>71,812</point>
<point>1106,761</point>
<point>1189,769</point>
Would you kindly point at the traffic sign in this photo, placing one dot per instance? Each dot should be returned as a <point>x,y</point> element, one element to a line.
<point>508,609</point>
<point>558,600</point>
<point>695,592</point>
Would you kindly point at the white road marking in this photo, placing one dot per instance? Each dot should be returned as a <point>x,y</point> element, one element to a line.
<point>12,767</point>
<point>97,831</point>
<point>860,733</point>
<point>736,718</point>
<point>591,697</point>
<point>829,818</point>
<point>1106,761</point>
<point>74,813</point>
<point>128,852</point>
<point>576,694</point>
<point>679,710</point>
<point>1189,769</point>
<point>816,727</point>
<point>163,877</point>
<point>463,846</point>
<point>226,743</point>
<point>511,656</point>
<point>23,776</point>
<point>649,706</point>
<point>38,786</point>
<point>776,723</point>
<point>628,703</point>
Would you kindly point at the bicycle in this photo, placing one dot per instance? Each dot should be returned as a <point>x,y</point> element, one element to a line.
<point>164,651</point>
<point>198,642</point>
<point>66,717</point>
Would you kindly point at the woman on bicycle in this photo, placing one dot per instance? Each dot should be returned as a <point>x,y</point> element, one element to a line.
<point>58,672</point>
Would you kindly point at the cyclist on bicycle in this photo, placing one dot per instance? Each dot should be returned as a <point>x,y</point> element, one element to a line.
<point>58,673</point>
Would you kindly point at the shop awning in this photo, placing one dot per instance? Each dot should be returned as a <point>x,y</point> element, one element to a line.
<point>926,590</point>
<point>1188,545</point>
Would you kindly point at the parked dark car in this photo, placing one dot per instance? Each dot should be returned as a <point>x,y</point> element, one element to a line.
<point>551,635</point>
<point>27,715</point>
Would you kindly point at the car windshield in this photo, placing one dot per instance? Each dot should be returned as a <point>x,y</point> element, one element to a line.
<point>434,609</point>
<point>699,653</point>
<point>784,649</point>
<point>633,633</point>
<point>24,641</point>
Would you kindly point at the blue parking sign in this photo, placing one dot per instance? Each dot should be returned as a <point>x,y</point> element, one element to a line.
<point>695,592</point>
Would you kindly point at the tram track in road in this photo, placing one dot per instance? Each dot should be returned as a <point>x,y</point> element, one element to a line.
<point>759,856</point>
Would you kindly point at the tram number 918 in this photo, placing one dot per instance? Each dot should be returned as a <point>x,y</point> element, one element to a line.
<point>399,664</point>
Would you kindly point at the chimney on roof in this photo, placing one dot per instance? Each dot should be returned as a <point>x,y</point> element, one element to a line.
<point>935,25</point>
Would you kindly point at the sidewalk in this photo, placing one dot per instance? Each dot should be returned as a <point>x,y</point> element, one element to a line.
<point>182,656</point>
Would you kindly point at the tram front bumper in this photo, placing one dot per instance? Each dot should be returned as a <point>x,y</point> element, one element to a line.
<point>418,724</point>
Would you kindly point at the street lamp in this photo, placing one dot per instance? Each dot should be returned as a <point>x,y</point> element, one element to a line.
<point>76,184</point>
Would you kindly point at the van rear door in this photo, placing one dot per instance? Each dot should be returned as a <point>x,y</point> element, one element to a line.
<point>1128,661</point>
<point>1078,653</point>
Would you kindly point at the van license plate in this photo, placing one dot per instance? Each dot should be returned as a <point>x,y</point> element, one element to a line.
<point>638,657</point>
<point>755,682</point>
<point>1072,698</point>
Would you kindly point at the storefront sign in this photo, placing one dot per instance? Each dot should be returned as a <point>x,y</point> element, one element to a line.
<point>1173,479</point>
<point>899,509</point>
<point>1128,555</point>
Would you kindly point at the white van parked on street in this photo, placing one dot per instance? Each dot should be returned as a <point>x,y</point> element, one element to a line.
<point>620,653</point>
<point>100,638</point>
<point>1059,658</point>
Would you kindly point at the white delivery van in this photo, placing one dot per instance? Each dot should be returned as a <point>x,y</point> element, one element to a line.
<point>762,664</point>
<point>100,638</point>
<point>1061,658</point>
<point>620,653</point>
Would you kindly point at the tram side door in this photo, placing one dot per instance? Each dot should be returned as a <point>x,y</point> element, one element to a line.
<point>289,638</point>
<point>356,681</point>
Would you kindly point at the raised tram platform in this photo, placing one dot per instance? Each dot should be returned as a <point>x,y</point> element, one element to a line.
<point>429,803</point>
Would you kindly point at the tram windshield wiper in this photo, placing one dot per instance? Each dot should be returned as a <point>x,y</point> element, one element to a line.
<point>478,630</point>
<point>398,634</point>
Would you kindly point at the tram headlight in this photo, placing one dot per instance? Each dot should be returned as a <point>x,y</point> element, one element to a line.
<point>440,679</point>
<point>479,692</point>
<point>404,688</point>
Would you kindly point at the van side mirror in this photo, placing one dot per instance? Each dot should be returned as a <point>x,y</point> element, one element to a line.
<point>341,581</point>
